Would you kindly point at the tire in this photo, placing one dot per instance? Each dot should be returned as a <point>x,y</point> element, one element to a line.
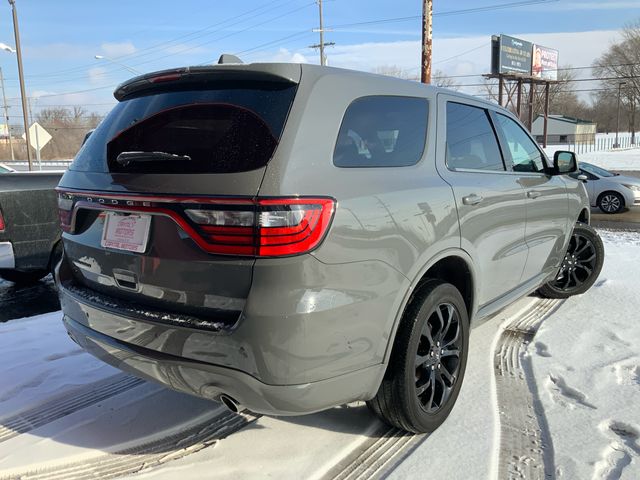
<point>418,397</point>
<point>23,278</point>
<point>610,202</point>
<point>56,256</point>
<point>580,267</point>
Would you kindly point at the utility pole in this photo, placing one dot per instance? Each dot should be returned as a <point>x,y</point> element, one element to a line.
<point>6,115</point>
<point>322,57</point>
<point>321,30</point>
<point>427,33</point>
<point>23,92</point>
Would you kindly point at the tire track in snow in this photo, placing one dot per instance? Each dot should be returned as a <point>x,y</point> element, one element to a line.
<point>66,404</point>
<point>145,456</point>
<point>386,448</point>
<point>525,449</point>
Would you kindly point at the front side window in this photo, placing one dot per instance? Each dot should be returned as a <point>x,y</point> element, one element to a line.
<point>471,141</point>
<point>525,155</point>
<point>382,131</point>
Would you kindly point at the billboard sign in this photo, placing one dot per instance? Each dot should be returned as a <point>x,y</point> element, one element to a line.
<point>514,56</point>
<point>544,63</point>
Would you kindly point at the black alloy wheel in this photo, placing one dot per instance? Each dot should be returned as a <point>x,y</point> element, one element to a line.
<point>427,364</point>
<point>438,357</point>
<point>580,267</point>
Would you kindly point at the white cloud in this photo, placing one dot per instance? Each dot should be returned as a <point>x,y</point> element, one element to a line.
<point>285,56</point>
<point>118,49</point>
<point>457,56</point>
<point>97,75</point>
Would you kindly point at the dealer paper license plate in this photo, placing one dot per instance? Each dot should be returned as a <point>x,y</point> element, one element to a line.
<point>126,232</point>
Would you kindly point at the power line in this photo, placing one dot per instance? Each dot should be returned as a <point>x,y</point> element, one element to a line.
<point>173,40</point>
<point>447,13</point>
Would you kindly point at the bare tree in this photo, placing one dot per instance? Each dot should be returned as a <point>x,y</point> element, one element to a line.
<point>394,71</point>
<point>441,79</point>
<point>619,67</point>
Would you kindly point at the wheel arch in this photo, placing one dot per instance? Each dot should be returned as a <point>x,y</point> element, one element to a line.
<point>602,194</point>
<point>454,266</point>
<point>584,216</point>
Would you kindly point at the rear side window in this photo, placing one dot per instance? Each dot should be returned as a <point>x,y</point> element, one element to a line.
<point>471,141</point>
<point>197,131</point>
<point>382,131</point>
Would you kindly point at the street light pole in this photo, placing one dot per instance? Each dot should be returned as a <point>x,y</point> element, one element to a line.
<point>617,145</point>
<point>23,93</point>
<point>6,115</point>
<point>102,57</point>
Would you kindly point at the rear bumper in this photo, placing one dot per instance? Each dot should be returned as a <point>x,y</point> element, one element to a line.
<point>303,343</point>
<point>211,381</point>
<point>7,257</point>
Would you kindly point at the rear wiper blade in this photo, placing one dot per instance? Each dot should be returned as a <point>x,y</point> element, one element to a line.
<point>126,158</point>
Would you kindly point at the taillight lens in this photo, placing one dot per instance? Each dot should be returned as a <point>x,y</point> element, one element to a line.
<point>2,225</point>
<point>262,227</point>
<point>292,226</point>
<point>65,209</point>
<point>272,227</point>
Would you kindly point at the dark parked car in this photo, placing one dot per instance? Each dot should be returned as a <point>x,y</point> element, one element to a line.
<point>29,225</point>
<point>292,237</point>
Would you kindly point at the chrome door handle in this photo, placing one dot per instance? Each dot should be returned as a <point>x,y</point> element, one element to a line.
<point>533,194</point>
<point>472,199</point>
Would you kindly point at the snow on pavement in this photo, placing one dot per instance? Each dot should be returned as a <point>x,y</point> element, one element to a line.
<point>585,359</point>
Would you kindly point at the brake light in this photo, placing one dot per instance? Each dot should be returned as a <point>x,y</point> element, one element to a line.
<point>65,208</point>
<point>262,227</point>
<point>2,225</point>
<point>271,228</point>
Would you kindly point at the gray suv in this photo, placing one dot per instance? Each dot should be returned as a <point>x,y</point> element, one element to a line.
<point>287,238</point>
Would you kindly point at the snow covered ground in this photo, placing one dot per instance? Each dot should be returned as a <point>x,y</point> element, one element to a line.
<point>64,414</point>
<point>628,159</point>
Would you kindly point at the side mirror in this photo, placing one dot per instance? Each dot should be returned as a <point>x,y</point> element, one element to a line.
<point>582,178</point>
<point>564,162</point>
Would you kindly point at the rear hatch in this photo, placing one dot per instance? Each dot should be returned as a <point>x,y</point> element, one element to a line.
<point>158,205</point>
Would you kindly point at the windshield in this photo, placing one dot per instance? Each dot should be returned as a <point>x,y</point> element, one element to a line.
<point>600,172</point>
<point>199,131</point>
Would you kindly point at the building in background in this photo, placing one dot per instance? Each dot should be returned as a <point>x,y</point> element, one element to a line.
<point>564,130</point>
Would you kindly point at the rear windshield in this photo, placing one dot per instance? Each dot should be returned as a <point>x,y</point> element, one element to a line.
<point>197,131</point>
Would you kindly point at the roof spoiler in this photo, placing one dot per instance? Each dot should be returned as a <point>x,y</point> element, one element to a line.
<point>196,77</point>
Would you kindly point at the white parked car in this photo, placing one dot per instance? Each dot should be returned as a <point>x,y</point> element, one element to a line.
<point>610,192</point>
<point>5,169</point>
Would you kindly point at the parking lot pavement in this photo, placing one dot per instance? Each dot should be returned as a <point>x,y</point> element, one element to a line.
<point>26,301</point>
<point>627,220</point>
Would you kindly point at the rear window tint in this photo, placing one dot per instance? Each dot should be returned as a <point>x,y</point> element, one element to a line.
<point>212,131</point>
<point>471,141</point>
<point>382,131</point>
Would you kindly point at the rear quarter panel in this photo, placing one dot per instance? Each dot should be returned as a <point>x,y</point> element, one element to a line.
<point>393,220</point>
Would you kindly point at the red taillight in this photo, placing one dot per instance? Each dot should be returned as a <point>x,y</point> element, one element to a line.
<point>292,226</point>
<point>267,227</point>
<point>65,208</point>
<point>2,225</point>
<point>271,228</point>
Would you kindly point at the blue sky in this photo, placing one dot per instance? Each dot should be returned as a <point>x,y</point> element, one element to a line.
<point>60,39</point>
